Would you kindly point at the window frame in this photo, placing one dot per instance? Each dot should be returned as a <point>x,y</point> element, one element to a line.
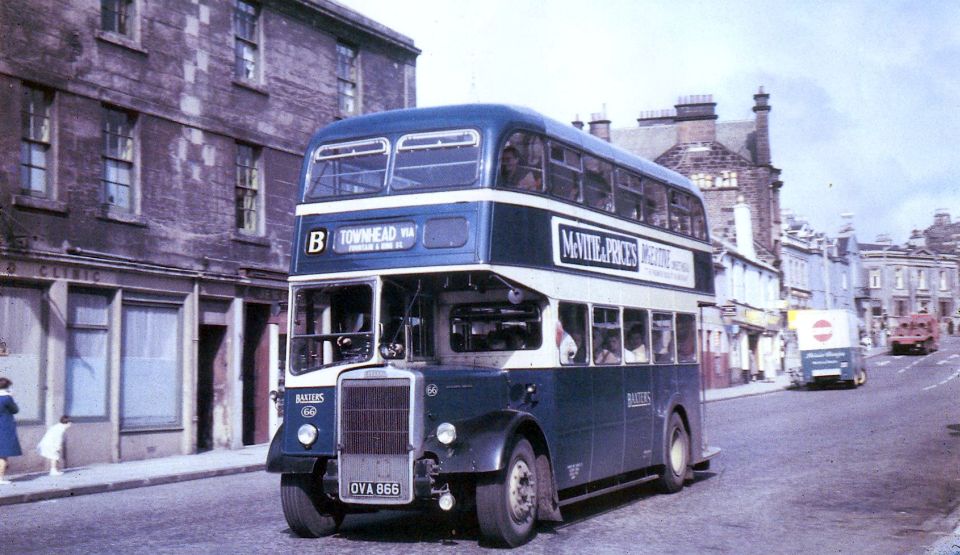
<point>118,159</point>
<point>124,20</point>
<point>348,78</point>
<point>87,327</point>
<point>249,187</point>
<point>247,13</point>
<point>28,114</point>
<point>177,385</point>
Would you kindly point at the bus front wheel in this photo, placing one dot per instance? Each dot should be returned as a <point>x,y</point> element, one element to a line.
<point>309,513</point>
<point>676,456</point>
<point>507,500</point>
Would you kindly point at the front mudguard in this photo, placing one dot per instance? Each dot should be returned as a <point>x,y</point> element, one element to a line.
<point>483,442</point>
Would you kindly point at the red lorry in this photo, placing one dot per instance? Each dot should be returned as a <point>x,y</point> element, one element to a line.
<point>915,333</point>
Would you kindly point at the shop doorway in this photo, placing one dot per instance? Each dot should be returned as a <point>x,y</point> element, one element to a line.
<point>211,370</point>
<point>256,375</point>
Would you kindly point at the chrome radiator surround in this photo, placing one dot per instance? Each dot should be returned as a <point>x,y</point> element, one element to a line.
<point>379,435</point>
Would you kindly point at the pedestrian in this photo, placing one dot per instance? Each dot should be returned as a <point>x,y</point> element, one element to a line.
<point>51,444</point>
<point>9,444</point>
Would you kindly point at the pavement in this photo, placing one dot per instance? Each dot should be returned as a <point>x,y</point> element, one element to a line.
<point>99,478</point>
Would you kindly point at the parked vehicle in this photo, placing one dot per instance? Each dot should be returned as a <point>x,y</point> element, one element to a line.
<point>829,346</point>
<point>916,333</point>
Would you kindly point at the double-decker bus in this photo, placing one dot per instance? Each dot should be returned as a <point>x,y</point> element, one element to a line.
<point>490,311</point>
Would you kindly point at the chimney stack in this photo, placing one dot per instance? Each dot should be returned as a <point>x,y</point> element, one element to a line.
<point>600,126</point>
<point>577,123</point>
<point>696,119</point>
<point>761,108</point>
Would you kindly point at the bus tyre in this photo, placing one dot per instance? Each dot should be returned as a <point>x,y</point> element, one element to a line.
<point>676,456</point>
<point>862,376</point>
<point>308,511</point>
<point>507,500</point>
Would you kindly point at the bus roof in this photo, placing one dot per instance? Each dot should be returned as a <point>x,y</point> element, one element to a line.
<point>491,120</point>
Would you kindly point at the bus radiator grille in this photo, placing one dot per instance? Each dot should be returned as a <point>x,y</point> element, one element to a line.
<point>375,417</point>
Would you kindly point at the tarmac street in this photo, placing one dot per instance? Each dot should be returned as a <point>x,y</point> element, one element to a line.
<point>834,470</point>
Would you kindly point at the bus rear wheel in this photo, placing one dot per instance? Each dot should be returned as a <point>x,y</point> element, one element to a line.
<point>676,456</point>
<point>507,500</point>
<point>309,513</point>
<point>862,376</point>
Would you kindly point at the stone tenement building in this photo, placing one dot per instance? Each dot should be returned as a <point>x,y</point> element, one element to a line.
<point>149,155</point>
<point>726,159</point>
<point>943,236</point>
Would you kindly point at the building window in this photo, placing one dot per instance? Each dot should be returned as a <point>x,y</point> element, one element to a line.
<point>248,188</point>
<point>898,278</point>
<point>347,78</point>
<point>922,279</point>
<point>118,158</point>
<point>843,281</point>
<point>875,278</point>
<point>726,179</point>
<point>943,280</point>
<point>702,180</point>
<point>87,368</point>
<point>900,307</point>
<point>116,16</point>
<point>22,331</point>
<point>149,367</point>
<point>246,54</point>
<point>35,141</point>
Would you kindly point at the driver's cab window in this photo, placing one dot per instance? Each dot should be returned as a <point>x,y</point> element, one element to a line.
<point>521,163</point>
<point>407,320</point>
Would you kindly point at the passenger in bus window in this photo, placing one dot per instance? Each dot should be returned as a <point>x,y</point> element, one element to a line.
<point>610,348</point>
<point>636,350</point>
<point>568,347</point>
<point>513,174</point>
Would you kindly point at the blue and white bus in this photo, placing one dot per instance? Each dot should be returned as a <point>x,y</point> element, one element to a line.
<point>490,311</point>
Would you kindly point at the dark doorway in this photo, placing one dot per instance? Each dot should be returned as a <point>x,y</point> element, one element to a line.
<point>211,362</point>
<point>256,375</point>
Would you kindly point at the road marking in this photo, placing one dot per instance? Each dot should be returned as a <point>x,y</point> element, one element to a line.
<point>954,355</point>
<point>955,375</point>
<point>942,362</point>
<point>883,363</point>
<point>905,368</point>
<point>898,357</point>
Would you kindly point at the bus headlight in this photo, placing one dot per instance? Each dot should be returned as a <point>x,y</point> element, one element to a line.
<point>307,434</point>
<point>446,433</point>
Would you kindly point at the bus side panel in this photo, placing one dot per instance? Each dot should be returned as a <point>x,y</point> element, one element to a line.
<point>574,425</point>
<point>688,382</point>
<point>608,417</point>
<point>638,425</point>
<point>521,236</point>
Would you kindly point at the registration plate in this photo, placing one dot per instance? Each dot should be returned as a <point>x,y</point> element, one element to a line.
<point>375,489</point>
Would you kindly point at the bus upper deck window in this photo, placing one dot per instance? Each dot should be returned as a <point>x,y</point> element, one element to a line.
<point>351,168</point>
<point>680,212</point>
<point>564,173</point>
<point>598,183</point>
<point>437,159</point>
<point>521,163</point>
<point>655,204</point>
<point>629,198</point>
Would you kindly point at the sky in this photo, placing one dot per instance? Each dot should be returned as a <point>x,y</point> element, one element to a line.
<point>865,95</point>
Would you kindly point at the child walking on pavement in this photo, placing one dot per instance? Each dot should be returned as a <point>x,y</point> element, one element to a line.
<point>51,444</point>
